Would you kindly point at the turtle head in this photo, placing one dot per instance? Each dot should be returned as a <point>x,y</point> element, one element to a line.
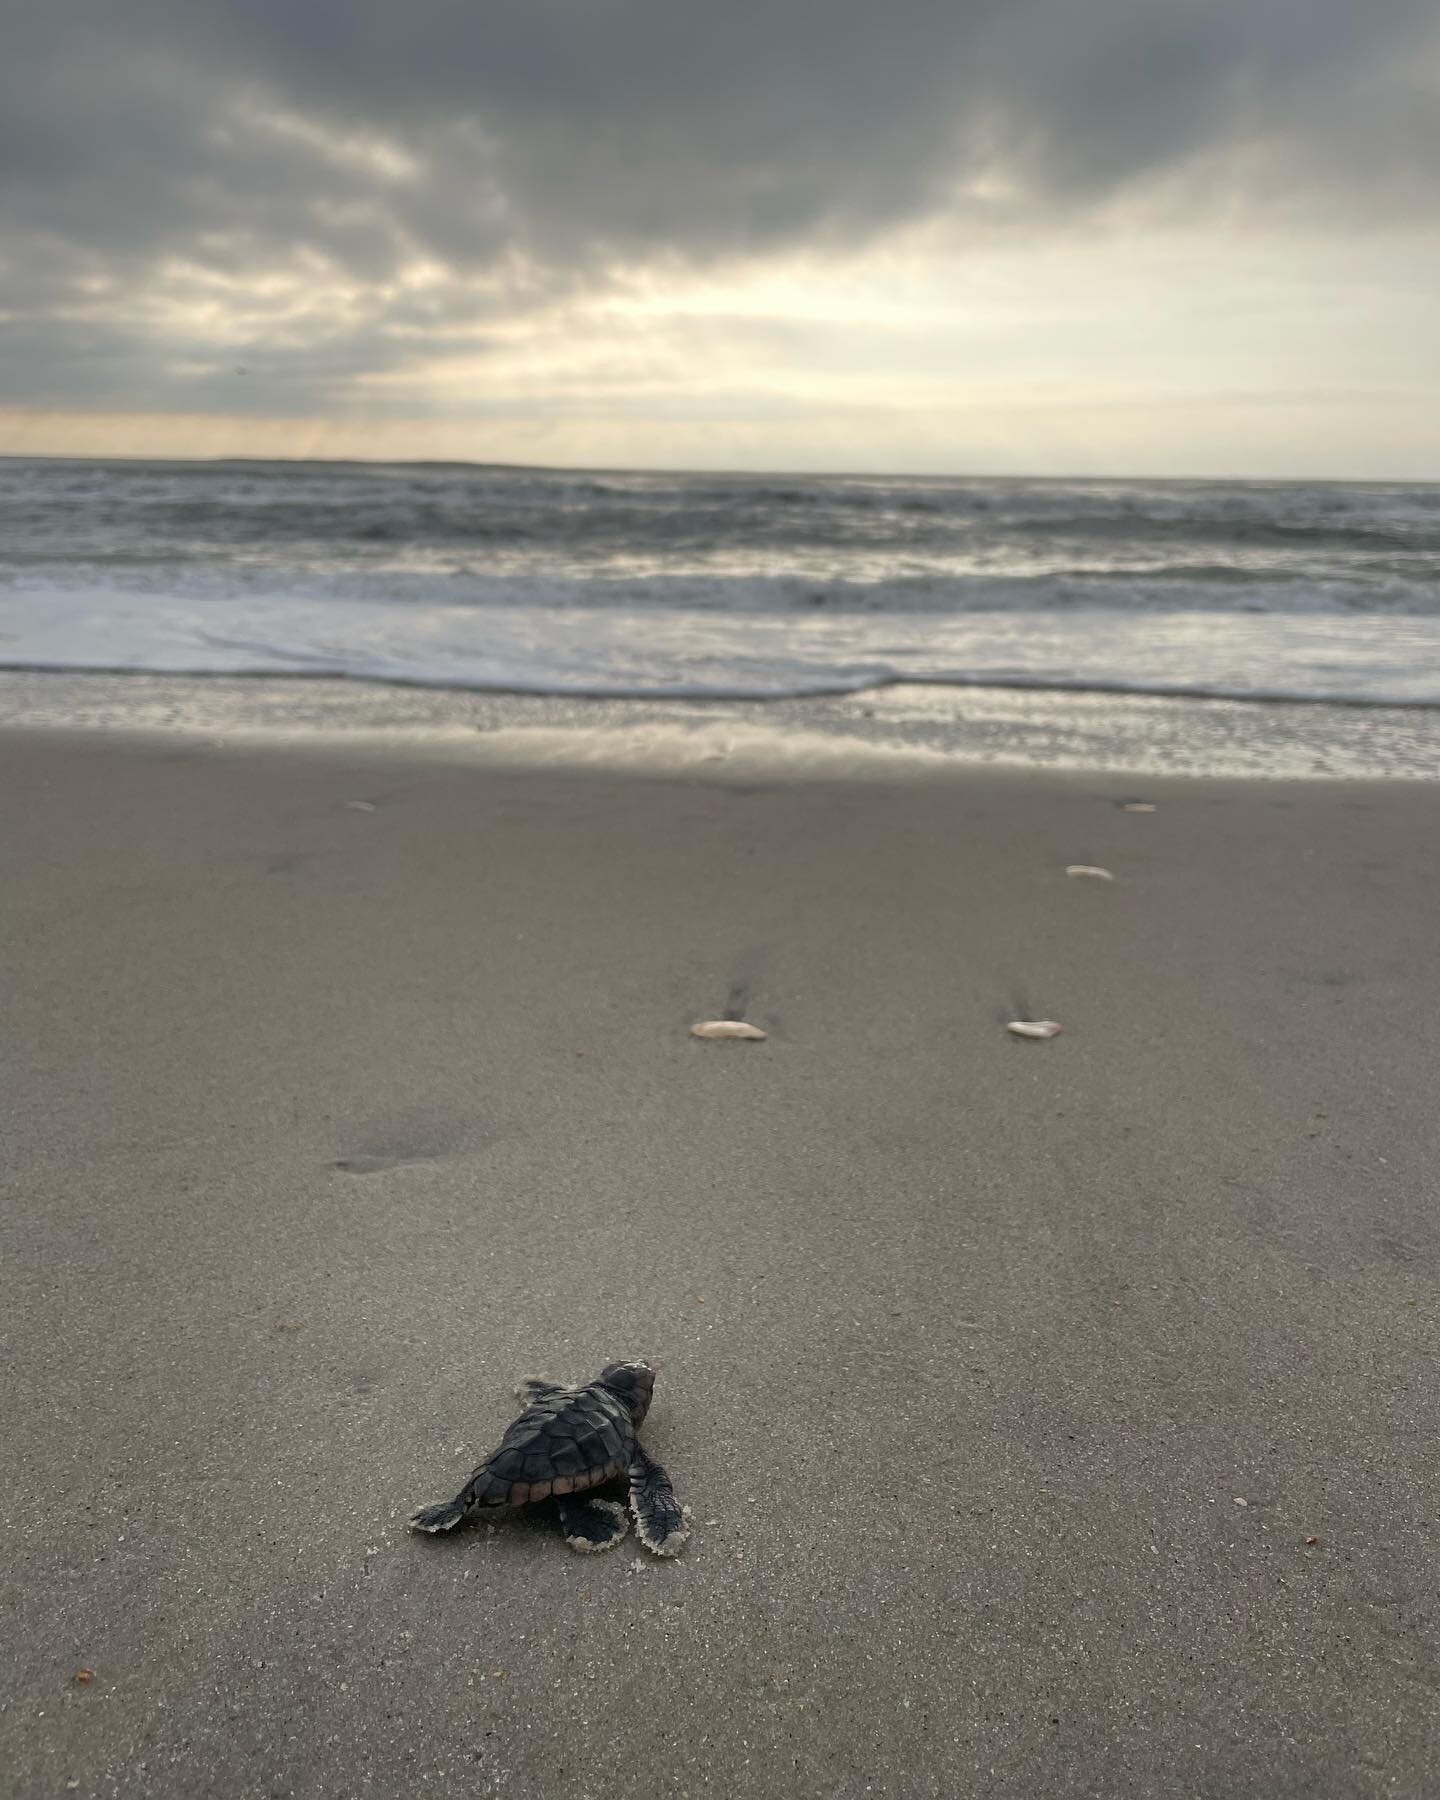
<point>634,1383</point>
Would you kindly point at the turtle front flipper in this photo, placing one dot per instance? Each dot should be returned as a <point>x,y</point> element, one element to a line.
<point>536,1387</point>
<point>661,1523</point>
<point>592,1525</point>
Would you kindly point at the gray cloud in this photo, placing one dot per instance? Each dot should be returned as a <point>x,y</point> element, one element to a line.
<point>527,151</point>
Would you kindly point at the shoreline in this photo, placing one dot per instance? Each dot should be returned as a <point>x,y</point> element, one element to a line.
<point>904,729</point>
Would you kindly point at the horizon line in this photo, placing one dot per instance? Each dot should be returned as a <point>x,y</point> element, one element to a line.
<point>723,473</point>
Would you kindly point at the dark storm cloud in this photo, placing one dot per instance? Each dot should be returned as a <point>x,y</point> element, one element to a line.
<point>527,148</point>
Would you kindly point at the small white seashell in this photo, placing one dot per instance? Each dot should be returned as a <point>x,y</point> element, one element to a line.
<point>1139,806</point>
<point>1090,869</point>
<point>1033,1028</point>
<point>726,1028</point>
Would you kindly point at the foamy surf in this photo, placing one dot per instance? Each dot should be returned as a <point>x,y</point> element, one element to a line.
<point>705,587</point>
<point>684,654</point>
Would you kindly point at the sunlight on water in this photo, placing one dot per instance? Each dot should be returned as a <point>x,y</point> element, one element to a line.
<point>711,586</point>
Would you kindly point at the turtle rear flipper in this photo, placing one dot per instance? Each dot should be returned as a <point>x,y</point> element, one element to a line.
<point>661,1523</point>
<point>482,1489</point>
<point>591,1525</point>
<point>444,1517</point>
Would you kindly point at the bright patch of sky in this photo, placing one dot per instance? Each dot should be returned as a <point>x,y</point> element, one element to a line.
<point>947,235</point>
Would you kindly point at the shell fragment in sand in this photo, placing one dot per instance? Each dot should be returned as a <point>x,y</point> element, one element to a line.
<point>727,1028</point>
<point>1092,870</point>
<point>1033,1028</point>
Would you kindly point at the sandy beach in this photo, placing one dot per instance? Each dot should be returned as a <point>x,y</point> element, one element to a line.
<point>1059,1418</point>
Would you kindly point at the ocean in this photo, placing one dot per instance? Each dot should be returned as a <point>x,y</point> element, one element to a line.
<point>721,586</point>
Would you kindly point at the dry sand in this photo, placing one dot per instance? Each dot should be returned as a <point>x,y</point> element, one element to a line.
<point>325,1121</point>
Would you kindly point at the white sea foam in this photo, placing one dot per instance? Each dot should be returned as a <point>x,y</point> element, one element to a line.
<point>687,654</point>
<point>706,586</point>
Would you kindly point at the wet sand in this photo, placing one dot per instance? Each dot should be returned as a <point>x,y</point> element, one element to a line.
<point>327,1120</point>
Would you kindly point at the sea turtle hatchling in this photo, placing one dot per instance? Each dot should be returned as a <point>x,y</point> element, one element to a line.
<point>568,1441</point>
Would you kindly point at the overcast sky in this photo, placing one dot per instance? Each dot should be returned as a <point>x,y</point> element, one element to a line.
<point>1092,236</point>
